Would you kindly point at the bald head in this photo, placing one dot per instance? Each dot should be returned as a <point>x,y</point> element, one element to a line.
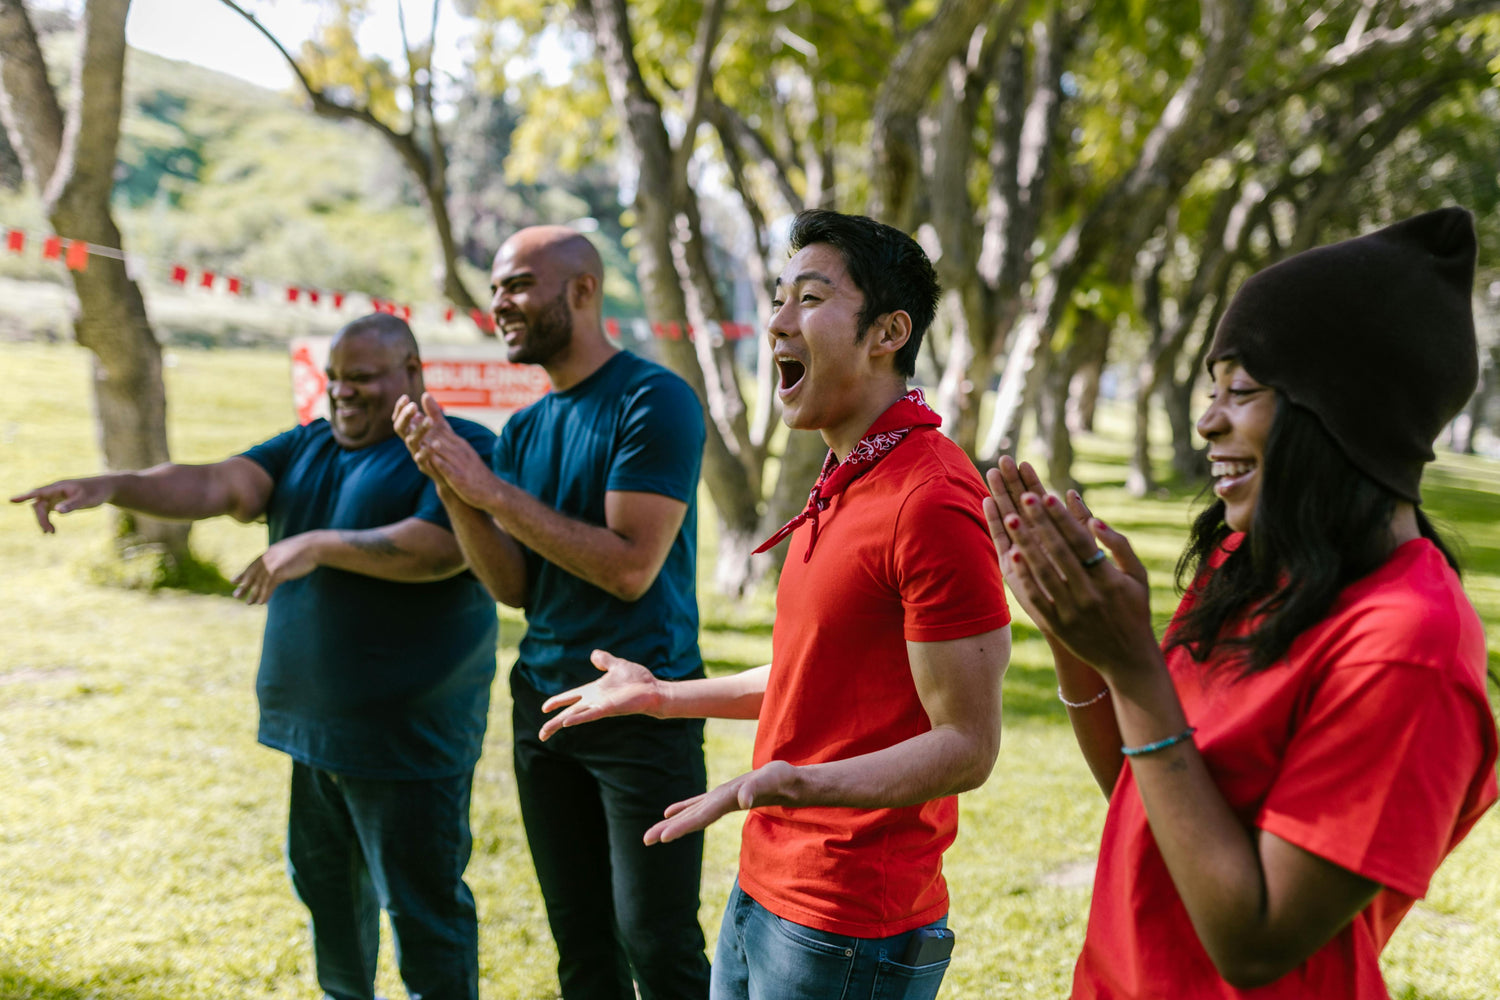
<point>565,252</point>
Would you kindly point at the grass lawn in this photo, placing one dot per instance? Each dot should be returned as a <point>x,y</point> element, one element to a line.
<point>141,825</point>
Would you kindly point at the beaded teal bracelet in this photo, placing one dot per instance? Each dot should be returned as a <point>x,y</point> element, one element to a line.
<point>1170,741</point>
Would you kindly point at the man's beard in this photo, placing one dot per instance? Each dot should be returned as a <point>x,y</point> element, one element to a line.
<point>546,335</point>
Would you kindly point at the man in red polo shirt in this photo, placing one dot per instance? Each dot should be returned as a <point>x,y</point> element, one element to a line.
<point>882,699</point>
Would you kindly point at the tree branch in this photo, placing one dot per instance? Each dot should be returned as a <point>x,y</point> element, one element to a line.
<point>85,172</point>
<point>700,91</point>
<point>730,122</point>
<point>1363,48</point>
<point>28,104</point>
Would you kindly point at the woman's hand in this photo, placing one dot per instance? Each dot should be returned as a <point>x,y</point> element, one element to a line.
<point>1098,609</point>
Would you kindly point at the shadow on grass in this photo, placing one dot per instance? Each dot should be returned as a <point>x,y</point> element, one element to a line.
<point>113,983</point>
<point>1031,693</point>
<point>738,628</point>
<point>145,568</point>
<point>721,667</point>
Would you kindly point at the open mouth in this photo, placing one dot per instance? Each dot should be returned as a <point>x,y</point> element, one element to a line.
<point>1229,474</point>
<point>791,373</point>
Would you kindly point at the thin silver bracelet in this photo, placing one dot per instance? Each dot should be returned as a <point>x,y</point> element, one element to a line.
<point>1082,704</point>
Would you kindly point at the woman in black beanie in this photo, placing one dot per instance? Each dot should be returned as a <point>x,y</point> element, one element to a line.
<point>1313,736</point>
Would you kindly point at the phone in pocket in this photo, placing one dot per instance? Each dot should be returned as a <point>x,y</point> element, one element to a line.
<point>928,945</point>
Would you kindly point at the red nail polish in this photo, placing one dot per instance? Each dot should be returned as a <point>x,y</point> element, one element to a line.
<point>1029,500</point>
<point>1051,500</point>
<point>1012,522</point>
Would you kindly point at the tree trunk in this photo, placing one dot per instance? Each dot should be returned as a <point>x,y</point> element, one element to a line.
<point>662,286</point>
<point>895,152</point>
<point>72,166</point>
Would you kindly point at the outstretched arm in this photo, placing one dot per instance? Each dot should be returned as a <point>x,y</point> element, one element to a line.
<point>408,551</point>
<point>1259,904</point>
<point>630,689</point>
<point>958,683</point>
<point>237,487</point>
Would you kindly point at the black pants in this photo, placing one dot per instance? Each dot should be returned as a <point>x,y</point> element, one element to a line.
<point>356,846</point>
<point>618,909</point>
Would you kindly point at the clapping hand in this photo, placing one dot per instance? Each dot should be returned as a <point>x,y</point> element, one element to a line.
<point>1096,607</point>
<point>439,451</point>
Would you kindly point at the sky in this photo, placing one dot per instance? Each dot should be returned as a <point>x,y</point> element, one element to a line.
<point>208,33</point>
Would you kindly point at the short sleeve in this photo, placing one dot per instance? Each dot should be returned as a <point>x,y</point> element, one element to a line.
<point>945,564</point>
<point>276,454</point>
<point>1379,772</point>
<point>502,450</point>
<point>661,440</point>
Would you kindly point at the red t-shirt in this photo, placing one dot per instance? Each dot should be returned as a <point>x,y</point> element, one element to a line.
<point>1371,744</point>
<point>902,555</point>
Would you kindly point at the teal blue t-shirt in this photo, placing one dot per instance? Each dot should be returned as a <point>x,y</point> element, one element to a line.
<point>632,426</point>
<point>360,676</point>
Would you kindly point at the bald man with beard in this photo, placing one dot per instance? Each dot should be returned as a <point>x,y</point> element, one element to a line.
<point>585,517</point>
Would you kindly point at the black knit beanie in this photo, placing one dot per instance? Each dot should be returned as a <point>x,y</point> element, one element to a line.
<point>1374,335</point>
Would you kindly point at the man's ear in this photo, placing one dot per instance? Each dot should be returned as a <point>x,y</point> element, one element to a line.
<point>582,290</point>
<point>889,333</point>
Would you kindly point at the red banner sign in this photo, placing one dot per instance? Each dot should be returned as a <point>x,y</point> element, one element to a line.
<point>469,380</point>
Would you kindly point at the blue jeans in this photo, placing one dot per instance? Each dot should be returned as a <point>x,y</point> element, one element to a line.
<point>356,846</point>
<point>764,957</point>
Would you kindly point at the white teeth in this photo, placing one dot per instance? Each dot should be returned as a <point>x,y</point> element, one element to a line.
<point>1219,469</point>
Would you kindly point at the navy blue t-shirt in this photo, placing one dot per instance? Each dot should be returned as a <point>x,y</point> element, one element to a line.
<point>360,676</point>
<point>631,426</point>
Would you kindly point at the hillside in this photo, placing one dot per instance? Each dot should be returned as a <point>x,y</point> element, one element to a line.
<point>221,175</point>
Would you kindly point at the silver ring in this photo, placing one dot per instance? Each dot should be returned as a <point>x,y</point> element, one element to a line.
<point>1095,559</point>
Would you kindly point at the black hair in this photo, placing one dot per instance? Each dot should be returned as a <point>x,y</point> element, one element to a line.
<point>888,267</point>
<point>1319,525</point>
<point>392,329</point>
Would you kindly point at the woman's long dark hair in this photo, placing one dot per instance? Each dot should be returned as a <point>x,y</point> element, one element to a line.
<point>1319,525</point>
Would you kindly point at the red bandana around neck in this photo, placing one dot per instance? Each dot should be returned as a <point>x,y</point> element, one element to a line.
<point>888,430</point>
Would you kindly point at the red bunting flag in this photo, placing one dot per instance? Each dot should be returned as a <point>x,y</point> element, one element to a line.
<point>234,286</point>
<point>406,313</point>
<point>484,321</point>
<point>448,315</point>
<point>78,255</point>
<point>312,296</point>
<point>207,281</point>
<point>338,300</point>
<point>52,248</point>
<point>15,241</point>
<point>179,274</point>
<point>293,293</point>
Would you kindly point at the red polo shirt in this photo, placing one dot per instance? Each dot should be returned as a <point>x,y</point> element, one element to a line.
<point>903,555</point>
<point>1370,744</point>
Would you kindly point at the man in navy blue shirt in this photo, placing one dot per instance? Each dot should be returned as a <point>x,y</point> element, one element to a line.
<point>376,667</point>
<point>585,515</point>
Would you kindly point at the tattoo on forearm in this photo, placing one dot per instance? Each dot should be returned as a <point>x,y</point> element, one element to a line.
<point>374,541</point>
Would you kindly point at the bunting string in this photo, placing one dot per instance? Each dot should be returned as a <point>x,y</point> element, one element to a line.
<point>75,254</point>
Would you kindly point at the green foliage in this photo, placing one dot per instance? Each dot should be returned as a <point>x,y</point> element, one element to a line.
<point>223,175</point>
